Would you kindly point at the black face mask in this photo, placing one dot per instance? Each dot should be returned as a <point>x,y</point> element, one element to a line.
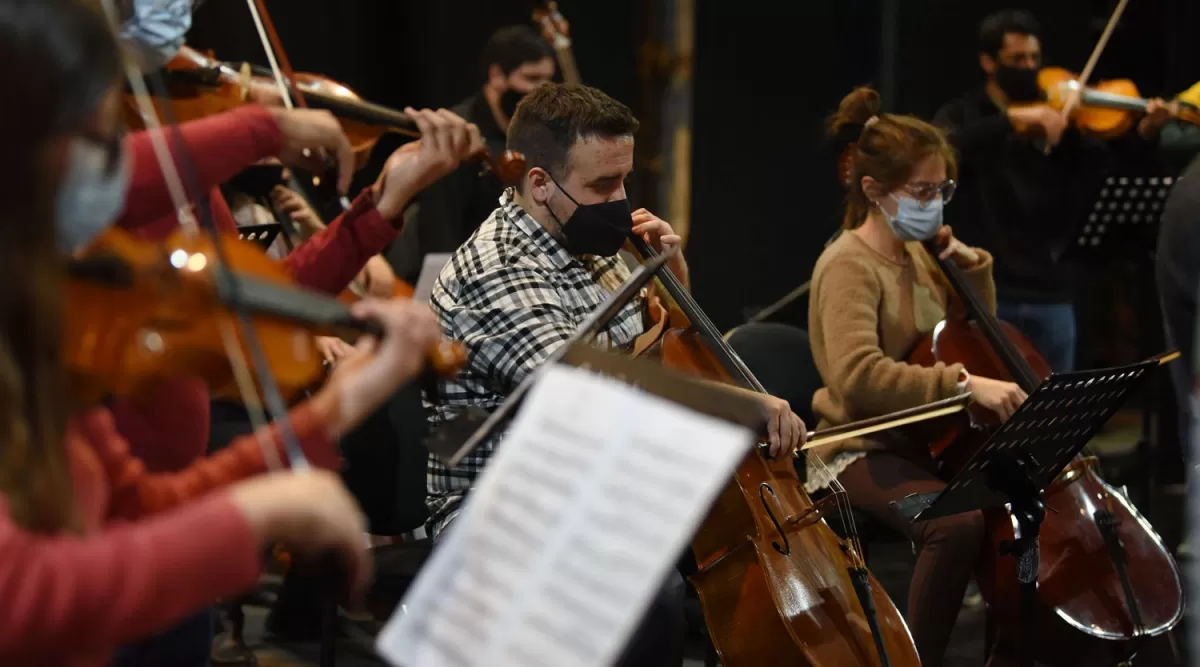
<point>1019,83</point>
<point>509,100</point>
<point>596,229</point>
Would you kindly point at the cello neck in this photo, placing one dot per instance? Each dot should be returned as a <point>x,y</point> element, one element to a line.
<point>1014,362</point>
<point>696,316</point>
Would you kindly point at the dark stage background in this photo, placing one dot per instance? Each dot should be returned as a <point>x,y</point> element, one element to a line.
<point>764,198</point>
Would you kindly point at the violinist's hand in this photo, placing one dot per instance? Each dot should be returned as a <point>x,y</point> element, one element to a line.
<point>963,255</point>
<point>295,206</point>
<point>1002,398</point>
<point>786,432</point>
<point>1050,122</point>
<point>309,136</point>
<point>334,349</point>
<point>309,512</point>
<point>363,381</point>
<point>446,140</point>
<point>659,235</point>
<point>1158,112</point>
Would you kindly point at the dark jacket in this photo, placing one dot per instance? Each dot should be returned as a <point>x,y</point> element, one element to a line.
<point>447,212</point>
<point>1017,202</point>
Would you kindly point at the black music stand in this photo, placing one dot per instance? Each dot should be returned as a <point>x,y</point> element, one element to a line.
<point>263,234</point>
<point>1023,457</point>
<point>1122,222</point>
<point>458,437</point>
<point>1122,225</point>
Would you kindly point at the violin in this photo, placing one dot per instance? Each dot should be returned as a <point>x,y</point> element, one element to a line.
<point>777,585</point>
<point>557,32</point>
<point>1093,608</point>
<point>141,312</point>
<point>199,86</point>
<point>1107,109</point>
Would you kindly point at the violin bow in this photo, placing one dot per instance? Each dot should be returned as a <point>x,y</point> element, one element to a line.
<point>1074,96</point>
<point>192,225</point>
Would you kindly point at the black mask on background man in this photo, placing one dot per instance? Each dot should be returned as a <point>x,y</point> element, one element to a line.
<point>1019,83</point>
<point>509,100</point>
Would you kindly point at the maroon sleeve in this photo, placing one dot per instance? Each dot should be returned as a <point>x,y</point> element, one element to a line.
<point>218,147</point>
<point>167,427</point>
<point>70,596</point>
<point>329,260</point>
<point>136,492</point>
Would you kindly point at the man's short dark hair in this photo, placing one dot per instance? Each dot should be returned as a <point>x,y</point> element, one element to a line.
<point>513,46</point>
<point>1005,22</point>
<point>550,119</point>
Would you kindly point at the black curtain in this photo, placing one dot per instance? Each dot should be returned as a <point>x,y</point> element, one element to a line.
<point>765,199</point>
<point>420,54</point>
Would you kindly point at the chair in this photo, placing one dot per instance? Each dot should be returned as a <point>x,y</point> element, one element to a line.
<point>780,357</point>
<point>386,471</point>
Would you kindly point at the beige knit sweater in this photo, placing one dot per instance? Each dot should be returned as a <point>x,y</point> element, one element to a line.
<point>866,315</point>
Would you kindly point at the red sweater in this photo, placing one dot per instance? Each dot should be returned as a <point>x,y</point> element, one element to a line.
<point>168,427</point>
<point>156,547</point>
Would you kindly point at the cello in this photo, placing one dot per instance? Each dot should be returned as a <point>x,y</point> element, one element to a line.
<point>1106,582</point>
<point>777,585</point>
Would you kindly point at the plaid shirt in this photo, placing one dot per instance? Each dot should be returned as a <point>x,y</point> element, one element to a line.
<point>511,295</point>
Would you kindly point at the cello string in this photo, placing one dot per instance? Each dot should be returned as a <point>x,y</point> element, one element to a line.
<point>701,321</point>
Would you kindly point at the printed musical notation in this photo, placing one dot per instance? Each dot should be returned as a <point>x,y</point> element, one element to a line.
<point>563,544</point>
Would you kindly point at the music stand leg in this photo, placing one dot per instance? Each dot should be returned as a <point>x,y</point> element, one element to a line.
<point>1026,506</point>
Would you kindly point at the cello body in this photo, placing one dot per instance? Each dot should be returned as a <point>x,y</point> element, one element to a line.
<point>773,578</point>
<point>1083,616</point>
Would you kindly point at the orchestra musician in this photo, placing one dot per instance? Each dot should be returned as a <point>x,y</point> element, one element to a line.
<point>97,551</point>
<point>175,424</point>
<point>514,61</point>
<point>1016,198</point>
<point>875,294</point>
<point>533,272</point>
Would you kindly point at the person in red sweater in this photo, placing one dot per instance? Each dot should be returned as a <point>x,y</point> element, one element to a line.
<point>225,144</point>
<point>95,551</point>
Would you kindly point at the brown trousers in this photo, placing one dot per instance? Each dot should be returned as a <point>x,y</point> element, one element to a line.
<point>947,548</point>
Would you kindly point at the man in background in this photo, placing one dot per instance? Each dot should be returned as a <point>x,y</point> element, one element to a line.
<point>515,61</point>
<point>1026,176</point>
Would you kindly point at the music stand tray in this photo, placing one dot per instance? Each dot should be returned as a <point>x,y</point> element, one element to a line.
<point>1123,219</point>
<point>1024,456</point>
<point>263,234</point>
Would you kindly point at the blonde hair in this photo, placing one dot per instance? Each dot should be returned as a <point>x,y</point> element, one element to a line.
<point>888,148</point>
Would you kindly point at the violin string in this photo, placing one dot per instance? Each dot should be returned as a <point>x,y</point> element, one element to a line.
<point>177,191</point>
<point>277,73</point>
<point>227,327</point>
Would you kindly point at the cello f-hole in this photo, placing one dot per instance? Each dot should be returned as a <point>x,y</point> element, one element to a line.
<point>763,489</point>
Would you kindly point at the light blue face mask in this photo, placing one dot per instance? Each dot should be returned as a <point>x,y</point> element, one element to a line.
<point>915,220</point>
<point>155,31</point>
<point>91,196</point>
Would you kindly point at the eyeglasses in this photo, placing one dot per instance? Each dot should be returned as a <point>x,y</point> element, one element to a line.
<point>925,191</point>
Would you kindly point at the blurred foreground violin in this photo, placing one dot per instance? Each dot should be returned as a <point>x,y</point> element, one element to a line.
<point>142,311</point>
<point>199,86</point>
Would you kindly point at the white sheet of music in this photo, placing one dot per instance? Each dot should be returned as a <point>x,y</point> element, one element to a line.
<point>431,267</point>
<point>569,533</point>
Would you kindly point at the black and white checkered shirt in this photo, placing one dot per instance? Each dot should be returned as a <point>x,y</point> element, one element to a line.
<point>512,294</point>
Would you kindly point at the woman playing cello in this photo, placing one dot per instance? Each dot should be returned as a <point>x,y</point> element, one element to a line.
<point>875,297</point>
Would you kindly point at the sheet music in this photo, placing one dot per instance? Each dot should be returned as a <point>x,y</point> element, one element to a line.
<point>431,267</point>
<point>570,532</point>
